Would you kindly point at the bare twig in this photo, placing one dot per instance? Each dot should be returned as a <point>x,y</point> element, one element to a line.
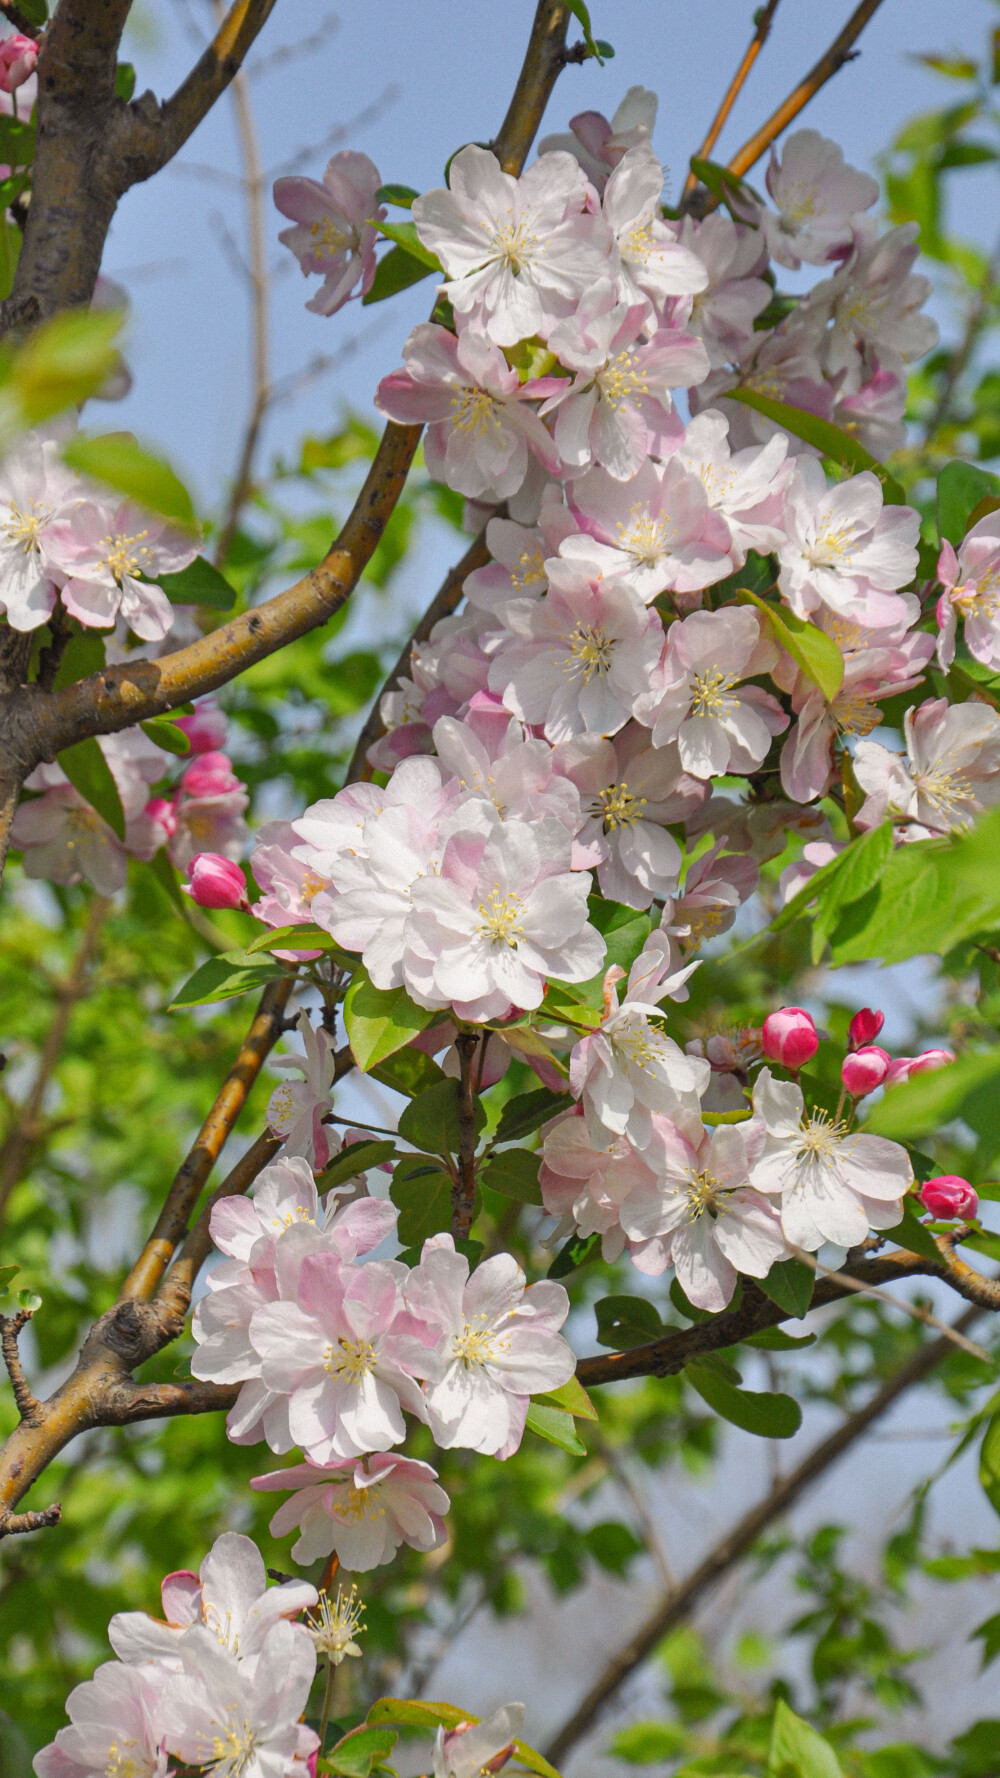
<point>542,66</point>
<point>895,1302</point>
<point>678,1603</point>
<point>765,17</point>
<point>28,1406</point>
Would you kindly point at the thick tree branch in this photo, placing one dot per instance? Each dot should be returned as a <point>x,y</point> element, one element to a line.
<point>153,136</point>
<point>765,18</point>
<point>543,63</point>
<point>678,1603</point>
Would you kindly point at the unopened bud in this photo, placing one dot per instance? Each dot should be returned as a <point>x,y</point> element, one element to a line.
<point>865,1070</point>
<point>210,775</point>
<point>864,1027</point>
<point>18,56</point>
<point>949,1198</point>
<point>162,811</point>
<point>205,727</point>
<point>216,882</point>
<point>903,1066</point>
<point>789,1037</point>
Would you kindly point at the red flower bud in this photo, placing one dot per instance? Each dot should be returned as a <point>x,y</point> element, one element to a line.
<point>949,1198</point>
<point>216,882</point>
<point>865,1070</point>
<point>211,774</point>
<point>789,1037</point>
<point>903,1066</point>
<point>864,1027</point>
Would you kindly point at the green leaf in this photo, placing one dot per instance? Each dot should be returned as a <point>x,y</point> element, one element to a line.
<point>431,1120</point>
<point>6,1274</point>
<point>379,1021</point>
<point>988,1633</point>
<point>422,1195</point>
<point>300,938</point>
<point>919,1106</point>
<point>514,1174</point>
<point>405,235</point>
<point>650,1743</point>
<point>839,446</point>
<point>124,81</point>
<point>960,488</point>
<point>556,1426</point>
<point>627,1321</point>
<point>396,271</point>
<point>574,1253</point>
<point>597,49</point>
<point>796,1751</point>
<point>10,253</point>
<point>728,187</point>
<point>790,1284</point>
<point>164,733</point>
<point>420,1714</point>
<point>408,1071</point>
<point>198,584</point>
<point>528,1111</point>
<point>357,1157</point>
<point>764,1414</point>
<point>613,1545</point>
<point>116,459</point>
<point>400,195</point>
<point>573,1397</point>
<point>817,654</point>
<point>83,655</point>
<point>222,978</point>
<point>908,1232</point>
<point>861,868</point>
<point>774,1339</point>
<point>89,773</point>
<point>989,1462</point>
<point>64,361</point>
<point>35,11</point>
<point>359,1751</point>
<point>624,931</point>
<point>29,1300</point>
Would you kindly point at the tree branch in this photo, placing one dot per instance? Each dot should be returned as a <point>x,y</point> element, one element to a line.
<point>28,1405</point>
<point>543,63</point>
<point>678,1603</point>
<point>765,18</point>
<point>175,1291</point>
<point>839,52</point>
<point>155,134</point>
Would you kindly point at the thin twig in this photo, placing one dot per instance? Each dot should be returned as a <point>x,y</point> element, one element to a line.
<point>895,1302</point>
<point>28,1406</point>
<point>654,1542</point>
<point>757,42</point>
<point>678,1603</point>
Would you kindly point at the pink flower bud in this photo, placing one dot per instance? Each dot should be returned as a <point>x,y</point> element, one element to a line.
<point>949,1198</point>
<point>789,1037</point>
<point>205,727</point>
<point>903,1066</point>
<point>161,810</point>
<point>210,775</point>
<point>18,56</point>
<point>864,1027</point>
<point>865,1070</point>
<point>216,882</point>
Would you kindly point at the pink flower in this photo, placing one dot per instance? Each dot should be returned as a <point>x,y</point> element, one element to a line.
<point>869,309</point>
<point>36,492</point>
<point>519,553</point>
<point>100,551</point>
<point>948,775</point>
<point>693,697</point>
<point>864,1027</point>
<point>814,855</point>
<point>216,882</point>
<point>205,727</point>
<point>497,1343</point>
<point>253,1713</point>
<point>335,227</point>
<point>654,532</point>
<point>598,144</point>
<point>120,1704</point>
<point>289,884</point>
<point>210,774</point>
<point>971,582</point>
<point>362,1510</point>
<point>746,488</point>
<point>871,673</point>
<point>519,253</point>
<point>715,888</point>
<point>864,1070</point>
<point>652,265</point>
<point>628,1070</point>
<point>629,792</point>
<point>496,758</point>
<point>949,1197</point>
<point>478,1749</point>
<point>874,413</point>
<point>844,548</point>
<point>480,424</point>
<point>816,196</point>
<point>902,1067</point>
<point>18,56</point>
<point>296,1108</point>
<point>586,1186</point>
<point>723,313</point>
<point>790,1037</point>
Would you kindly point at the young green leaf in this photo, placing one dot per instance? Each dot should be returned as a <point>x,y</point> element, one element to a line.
<point>790,1284</point>
<point>421,1193</point>
<point>164,733</point>
<point>574,1398</point>
<point>200,583</point>
<point>839,446</point>
<point>379,1021</point>
<point>404,234</point>
<point>528,1111</point>
<point>356,1158</point>
<point>764,1414</point>
<point>359,1751</point>
<point>514,1174</point>
<point>396,271</point>
<point>796,1750</point>
<point>556,1426</point>
<point>961,487</point>
<point>431,1120</point>
<point>626,1321</point>
<point>816,653</point>
<point>117,460</point>
<point>400,195</point>
<point>224,977</point>
<point>64,361</point>
<point>6,1274</point>
<point>908,1232</point>
<point>574,1253</point>
<point>89,773</point>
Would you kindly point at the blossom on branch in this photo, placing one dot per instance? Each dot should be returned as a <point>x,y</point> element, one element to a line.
<point>361,1510</point>
<point>336,227</point>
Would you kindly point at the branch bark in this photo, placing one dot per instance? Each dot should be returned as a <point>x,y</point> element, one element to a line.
<point>678,1603</point>
<point>765,18</point>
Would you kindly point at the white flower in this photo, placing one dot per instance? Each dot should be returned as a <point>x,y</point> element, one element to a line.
<point>817,195</point>
<point>36,488</point>
<point>700,1213</point>
<point>242,1724</point>
<point>334,827</point>
<point>361,1510</point>
<point>629,1068</point>
<point>629,791</point>
<point>844,548</point>
<point>695,697</point>
<point>575,659</point>
<point>493,757</point>
<point>949,773</point>
<point>333,1632</point>
<point>599,143</point>
<point>870,307</point>
<point>833,1187</point>
<point>652,263</point>
<point>100,551</point>
<point>586,1186</point>
<point>477,1750</point>
<point>504,914</point>
<point>519,252</point>
<point>296,1108</point>
<point>115,1726</point>
<point>229,1595</point>
<point>746,487</point>
<point>971,582</point>
<point>519,552</point>
<point>498,1343</point>
<point>723,313</point>
<point>656,531</point>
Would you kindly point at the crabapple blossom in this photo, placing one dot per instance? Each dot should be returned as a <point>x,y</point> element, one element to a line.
<point>870,308</point>
<point>66,841</point>
<point>789,1036</point>
<point>949,773</point>
<point>288,884</point>
<point>723,313</point>
<point>617,409</point>
<point>832,1186</point>
<point>518,556</point>
<point>783,364</point>
<point>729,1055</point>
<point>971,582</point>
<point>495,758</point>
<point>518,253</point>
<point>18,55</point>
<point>334,827</point>
<point>504,913</point>
<point>335,227</point>
<point>296,1108</point>
<point>243,1722</point>
<point>100,551</point>
<point>572,660</point>
<point>864,1027</point>
<point>817,195</point>
<point>745,487</point>
<point>650,264</point>
<point>844,548</point>
<point>599,144</point>
<point>654,532</point>
<point>284,1196</point>
<point>949,1197</point>
<point>815,853</point>
<point>205,728</point>
<point>870,674</point>
<point>864,1069</point>
<point>360,1510</point>
<point>116,1717</point>
<point>208,824</point>
<point>874,414</point>
<point>229,1595</point>
<point>496,1343</point>
<point>902,1067</point>
<point>628,793</point>
<point>480,426</point>
<point>585,1186</point>
<point>629,1068</point>
<point>701,1215</point>
<point>36,490</point>
<point>216,882</point>
<point>693,697</point>
<point>715,888</point>
<point>478,1749</point>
